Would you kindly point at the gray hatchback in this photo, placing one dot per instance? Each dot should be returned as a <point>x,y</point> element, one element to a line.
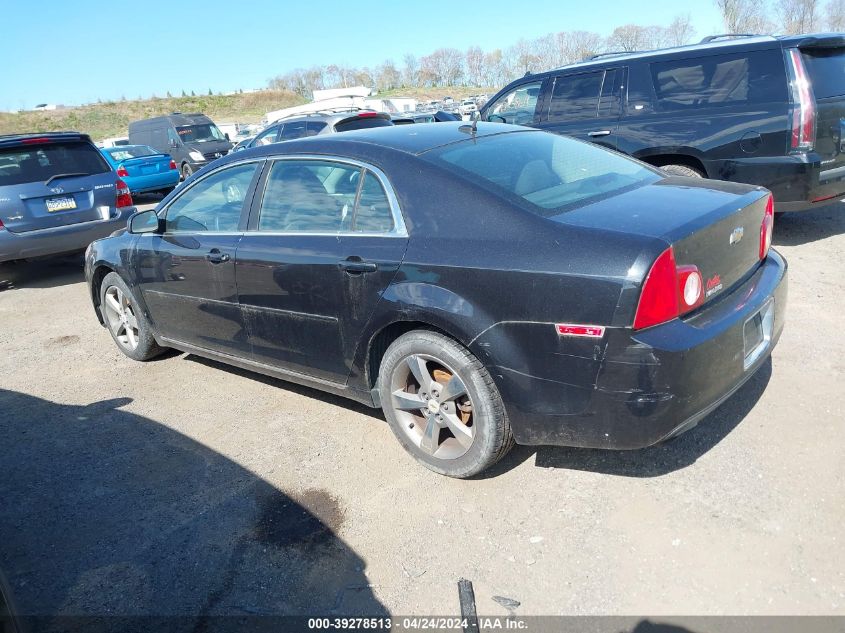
<point>57,195</point>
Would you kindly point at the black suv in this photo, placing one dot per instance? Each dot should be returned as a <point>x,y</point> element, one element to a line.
<point>756,109</point>
<point>312,124</point>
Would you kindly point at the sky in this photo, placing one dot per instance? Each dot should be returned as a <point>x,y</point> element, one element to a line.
<point>77,51</point>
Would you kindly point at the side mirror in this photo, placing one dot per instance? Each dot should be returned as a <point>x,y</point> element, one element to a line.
<point>227,136</point>
<point>144,222</point>
<point>174,143</point>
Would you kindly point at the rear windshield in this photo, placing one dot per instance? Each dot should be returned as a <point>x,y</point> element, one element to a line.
<point>131,151</point>
<point>39,163</point>
<point>551,173</point>
<point>200,133</point>
<point>361,123</point>
<point>826,67</point>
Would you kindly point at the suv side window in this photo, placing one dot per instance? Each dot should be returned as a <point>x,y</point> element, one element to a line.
<point>517,106</point>
<point>576,97</point>
<point>313,128</point>
<point>214,203</point>
<point>295,129</point>
<point>266,137</point>
<point>719,80</point>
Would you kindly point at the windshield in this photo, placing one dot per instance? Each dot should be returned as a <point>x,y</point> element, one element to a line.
<point>131,151</point>
<point>200,133</point>
<point>38,163</point>
<point>549,172</point>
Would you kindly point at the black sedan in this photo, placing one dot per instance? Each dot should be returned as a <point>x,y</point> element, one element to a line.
<point>482,286</point>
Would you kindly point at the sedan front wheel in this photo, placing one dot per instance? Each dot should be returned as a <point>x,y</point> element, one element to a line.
<point>125,321</point>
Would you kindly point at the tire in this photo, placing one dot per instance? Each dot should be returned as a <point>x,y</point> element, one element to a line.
<point>187,172</point>
<point>682,170</point>
<point>128,326</point>
<point>482,433</point>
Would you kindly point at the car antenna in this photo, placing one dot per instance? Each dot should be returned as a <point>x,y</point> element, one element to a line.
<point>472,128</point>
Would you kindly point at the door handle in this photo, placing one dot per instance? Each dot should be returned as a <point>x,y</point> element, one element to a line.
<point>598,133</point>
<point>356,266</point>
<point>216,257</point>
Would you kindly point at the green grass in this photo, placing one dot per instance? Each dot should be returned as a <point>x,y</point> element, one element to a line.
<point>112,118</point>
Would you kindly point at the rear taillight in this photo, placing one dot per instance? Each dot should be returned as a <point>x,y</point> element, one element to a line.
<point>121,172</point>
<point>172,164</point>
<point>1,225</point>
<point>124,198</point>
<point>766,227</point>
<point>367,115</point>
<point>669,291</point>
<point>803,118</point>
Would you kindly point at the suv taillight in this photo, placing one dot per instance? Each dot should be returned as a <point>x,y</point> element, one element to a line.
<point>803,116</point>
<point>124,198</point>
<point>121,172</point>
<point>669,291</point>
<point>766,227</point>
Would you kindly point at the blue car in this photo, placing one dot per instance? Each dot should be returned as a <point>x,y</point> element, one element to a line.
<point>143,169</point>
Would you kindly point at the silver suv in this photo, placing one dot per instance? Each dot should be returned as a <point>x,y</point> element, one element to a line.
<point>300,125</point>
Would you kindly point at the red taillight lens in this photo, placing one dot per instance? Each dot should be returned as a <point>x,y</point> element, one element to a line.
<point>367,115</point>
<point>669,291</point>
<point>803,104</point>
<point>659,298</point>
<point>766,227</point>
<point>124,198</point>
<point>172,164</point>
<point>1,225</point>
<point>121,172</point>
<point>36,141</point>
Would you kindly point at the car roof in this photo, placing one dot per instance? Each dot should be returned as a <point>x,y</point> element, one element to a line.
<point>735,44</point>
<point>410,139</point>
<point>329,117</point>
<point>19,139</point>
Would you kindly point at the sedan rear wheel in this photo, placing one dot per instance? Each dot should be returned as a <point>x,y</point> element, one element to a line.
<point>443,405</point>
<point>125,321</point>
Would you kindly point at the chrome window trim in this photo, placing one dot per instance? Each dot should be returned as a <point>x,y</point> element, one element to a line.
<point>399,228</point>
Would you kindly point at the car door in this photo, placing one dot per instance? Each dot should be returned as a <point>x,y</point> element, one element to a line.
<point>325,240</point>
<point>187,273</point>
<point>585,105</point>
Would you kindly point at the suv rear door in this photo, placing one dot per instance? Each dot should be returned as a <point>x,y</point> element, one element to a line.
<point>585,105</point>
<point>826,73</point>
<point>47,182</point>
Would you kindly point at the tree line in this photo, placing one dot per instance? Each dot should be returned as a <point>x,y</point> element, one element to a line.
<point>475,67</point>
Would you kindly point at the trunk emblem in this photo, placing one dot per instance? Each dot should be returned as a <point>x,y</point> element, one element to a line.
<point>57,190</point>
<point>736,234</point>
<point>714,285</point>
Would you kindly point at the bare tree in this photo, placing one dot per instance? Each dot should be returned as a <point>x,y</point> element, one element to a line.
<point>797,16</point>
<point>474,61</point>
<point>835,13</point>
<point>630,37</point>
<point>387,76</point>
<point>680,31</point>
<point>410,74</point>
<point>495,72</point>
<point>573,46</point>
<point>744,16</point>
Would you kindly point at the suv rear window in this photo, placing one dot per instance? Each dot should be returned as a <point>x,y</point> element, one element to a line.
<point>361,123</point>
<point>826,67</point>
<point>720,80</point>
<point>549,172</point>
<point>39,163</point>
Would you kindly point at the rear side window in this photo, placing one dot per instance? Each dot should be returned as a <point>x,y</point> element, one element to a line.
<point>361,123</point>
<point>576,97</point>
<point>39,163</point>
<point>313,128</point>
<point>372,215</point>
<point>826,67</point>
<point>720,80</point>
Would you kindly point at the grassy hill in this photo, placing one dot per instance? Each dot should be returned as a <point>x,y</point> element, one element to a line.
<point>112,118</point>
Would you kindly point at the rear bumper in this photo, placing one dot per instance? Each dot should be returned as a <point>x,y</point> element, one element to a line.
<point>647,386</point>
<point>61,239</point>
<point>797,181</point>
<point>153,182</point>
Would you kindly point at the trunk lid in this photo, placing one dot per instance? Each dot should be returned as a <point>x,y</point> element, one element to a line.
<point>825,67</point>
<point>147,165</point>
<point>53,184</point>
<point>714,226</point>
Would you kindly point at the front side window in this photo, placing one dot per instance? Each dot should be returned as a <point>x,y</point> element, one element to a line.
<point>292,130</point>
<point>576,97</point>
<point>214,203</point>
<point>517,106</point>
<point>719,80</point>
<point>546,173</point>
<point>266,137</point>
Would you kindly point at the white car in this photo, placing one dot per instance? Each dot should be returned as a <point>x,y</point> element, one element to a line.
<point>468,106</point>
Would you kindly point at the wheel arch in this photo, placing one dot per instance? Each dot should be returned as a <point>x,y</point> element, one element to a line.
<point>100,272</point>
<point>687,160</point>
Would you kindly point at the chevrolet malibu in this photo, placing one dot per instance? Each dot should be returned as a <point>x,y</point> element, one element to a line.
<point>483,284</point>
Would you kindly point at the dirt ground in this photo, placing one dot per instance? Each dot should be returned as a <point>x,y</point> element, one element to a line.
<point>182,486</point>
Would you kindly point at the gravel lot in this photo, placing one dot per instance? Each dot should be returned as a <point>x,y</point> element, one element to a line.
<point>182,486</point>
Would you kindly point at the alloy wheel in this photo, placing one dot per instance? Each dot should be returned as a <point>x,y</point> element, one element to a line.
<point>433,406</point>
<point>121,318</point>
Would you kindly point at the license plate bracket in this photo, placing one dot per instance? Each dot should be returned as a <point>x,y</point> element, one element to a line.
<point>757,333</point>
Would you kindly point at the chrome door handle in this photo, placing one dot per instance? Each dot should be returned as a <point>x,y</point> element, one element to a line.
<point>358,266</point>
<point>216,257</point>
<point>597,133</point>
